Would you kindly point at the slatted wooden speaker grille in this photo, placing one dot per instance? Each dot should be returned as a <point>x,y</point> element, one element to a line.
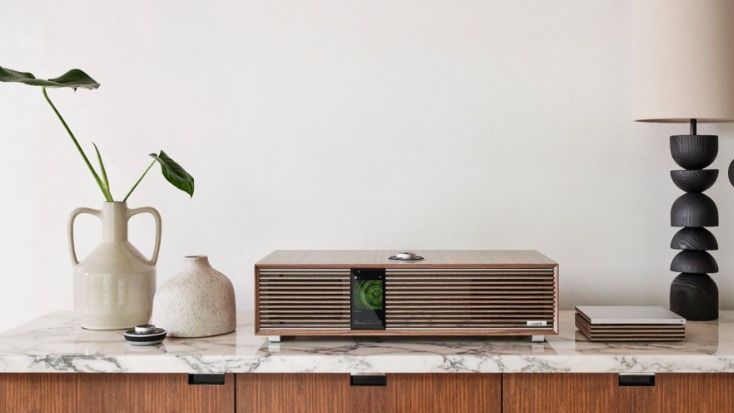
<point>310,299</point>
<point>478,299</point>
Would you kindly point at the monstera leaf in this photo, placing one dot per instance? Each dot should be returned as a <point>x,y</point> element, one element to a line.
<point>74,78</point>
<point>174,173</point>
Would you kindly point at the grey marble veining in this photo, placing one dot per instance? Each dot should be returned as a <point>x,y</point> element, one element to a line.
<point>56,343</point>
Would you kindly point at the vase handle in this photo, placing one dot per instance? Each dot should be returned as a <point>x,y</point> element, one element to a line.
<point>75,213</point>
<point>152,211</point>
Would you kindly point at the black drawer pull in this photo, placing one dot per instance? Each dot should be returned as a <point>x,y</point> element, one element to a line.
<point>636,380</point>
<point>364,380</point>
<point>206,379</point>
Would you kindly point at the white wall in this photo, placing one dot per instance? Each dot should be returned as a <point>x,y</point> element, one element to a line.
<point>344,124</point>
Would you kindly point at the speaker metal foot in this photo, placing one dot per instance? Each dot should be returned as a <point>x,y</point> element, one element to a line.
<point>273,339</point>
<point>537,339</point>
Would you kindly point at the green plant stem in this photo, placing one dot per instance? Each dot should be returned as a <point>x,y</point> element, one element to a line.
<point>102,169</point>
<point>105,191</point>
<point>139,179</point>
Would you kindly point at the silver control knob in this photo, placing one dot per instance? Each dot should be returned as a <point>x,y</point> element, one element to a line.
<point>145,328</point>
<point>405,255</point>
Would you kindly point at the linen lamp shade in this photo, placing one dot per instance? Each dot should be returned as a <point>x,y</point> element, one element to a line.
<point>684,58</point>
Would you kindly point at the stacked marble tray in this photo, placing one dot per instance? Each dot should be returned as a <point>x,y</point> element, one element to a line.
<point>629,323</point>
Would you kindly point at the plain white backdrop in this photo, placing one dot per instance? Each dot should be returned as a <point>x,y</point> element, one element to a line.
<point>344,125</point>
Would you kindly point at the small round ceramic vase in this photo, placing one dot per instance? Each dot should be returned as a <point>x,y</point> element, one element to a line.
<point>115,284</point>
<point>198,302</point>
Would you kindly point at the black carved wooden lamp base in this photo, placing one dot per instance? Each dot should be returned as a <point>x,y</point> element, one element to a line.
<point>694,294</point>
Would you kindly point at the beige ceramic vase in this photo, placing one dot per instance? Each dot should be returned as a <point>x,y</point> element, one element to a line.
<point>198,302</point>
<point>114,286</point>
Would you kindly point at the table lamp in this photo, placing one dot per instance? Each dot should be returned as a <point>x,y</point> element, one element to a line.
<point>685,74</point>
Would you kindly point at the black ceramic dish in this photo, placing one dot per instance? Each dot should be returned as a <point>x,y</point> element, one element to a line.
<point>144,335</point>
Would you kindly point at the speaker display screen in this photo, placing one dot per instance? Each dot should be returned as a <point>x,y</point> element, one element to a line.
<point>368,299</point>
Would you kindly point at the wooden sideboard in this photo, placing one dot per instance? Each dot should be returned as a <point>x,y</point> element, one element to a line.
<point>316,393</point>
<point>51,365</point>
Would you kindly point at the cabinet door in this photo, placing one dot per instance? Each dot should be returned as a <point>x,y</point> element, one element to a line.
<point>37,392</point>
<point>92,392</point>
<point>275,393</point>
<point>688,393</point>
<point>669,393</point>
<point>316,393</point>
<point>559,392</point>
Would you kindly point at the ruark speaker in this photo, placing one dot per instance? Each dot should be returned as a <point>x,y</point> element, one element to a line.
<point>431,293</point>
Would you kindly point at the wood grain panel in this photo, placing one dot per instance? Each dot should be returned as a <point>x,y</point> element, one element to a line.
<point>672,393</point>
<point>172,393</point>
<point>408,332</point>
<point>316,393</point>
<point>442,393</point>
<point>418,298</point>
<point>322,393</point>
<point>103,392</point>
<point>563,393</point>
<point>379,259</point>
<point>295,299</point>
<point>45,392</point>
<point>296,393</point>
<point>112,392</point>
<point>679,393</point>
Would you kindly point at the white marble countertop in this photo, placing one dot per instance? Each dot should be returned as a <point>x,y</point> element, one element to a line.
<point>56,343</point>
